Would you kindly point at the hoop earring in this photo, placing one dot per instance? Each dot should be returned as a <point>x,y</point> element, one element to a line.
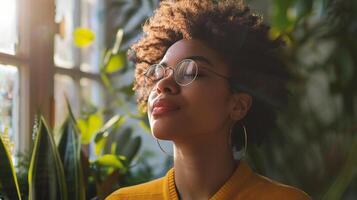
<point>238,155</point>
<point>162,149</point>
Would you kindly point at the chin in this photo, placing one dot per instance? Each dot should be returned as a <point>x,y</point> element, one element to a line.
<point>164,133</point>
<point>163,136</point>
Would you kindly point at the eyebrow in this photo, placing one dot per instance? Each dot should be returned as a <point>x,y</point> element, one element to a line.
<point>198,58</point>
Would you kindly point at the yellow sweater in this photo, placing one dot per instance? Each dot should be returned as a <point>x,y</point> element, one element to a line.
<point>244,184</point>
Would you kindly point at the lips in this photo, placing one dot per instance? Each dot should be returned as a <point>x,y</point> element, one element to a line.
<point>161,107</point>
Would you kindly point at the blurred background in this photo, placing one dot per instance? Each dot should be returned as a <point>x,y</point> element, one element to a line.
<point>51,50</point>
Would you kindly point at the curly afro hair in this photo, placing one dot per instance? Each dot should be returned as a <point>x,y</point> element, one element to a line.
<point>229,27</point>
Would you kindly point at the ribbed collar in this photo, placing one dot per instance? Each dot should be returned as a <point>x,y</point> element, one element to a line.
<point>169,186</point>
<point>233,186</point>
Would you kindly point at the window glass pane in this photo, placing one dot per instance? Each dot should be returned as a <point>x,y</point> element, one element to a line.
<point>67,15</point>
<point>85,93</point>
<point>8,25</point>
<point>65,87</point>
<point>9,92</point>
<point>88,14</point>
<point>93,18</point>
<point>92,92</point>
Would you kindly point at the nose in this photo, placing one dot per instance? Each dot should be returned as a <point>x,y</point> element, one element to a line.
<point>167,84</point>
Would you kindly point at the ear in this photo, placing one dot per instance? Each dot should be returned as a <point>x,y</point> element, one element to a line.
<point>241,103</point>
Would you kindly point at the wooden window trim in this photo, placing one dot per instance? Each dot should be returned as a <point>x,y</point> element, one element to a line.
<point>35,61</point>
<point>36,28</point>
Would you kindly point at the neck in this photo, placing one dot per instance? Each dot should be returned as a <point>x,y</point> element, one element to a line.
<point>201,169</point>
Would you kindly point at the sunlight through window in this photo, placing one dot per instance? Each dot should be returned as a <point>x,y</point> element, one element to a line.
<point>8,100</point>
<point>8,26</point>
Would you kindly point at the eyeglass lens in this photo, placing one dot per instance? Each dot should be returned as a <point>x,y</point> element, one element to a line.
<point>184,73</point>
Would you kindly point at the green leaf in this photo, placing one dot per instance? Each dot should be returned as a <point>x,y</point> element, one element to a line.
<point>83,37</point>
<point>122,140</point>
<point>102,135</point>
<point>7,141</point>
<point>100,144</point>
<point>9,187</point>
<point>89,127</point>
<point>105,79</point>
<point>303,8</point>
<point>110,160</point>
<point>126,145</point>
<point>345,176</point>
<point>281,18</point>
<point>46,174</point>
<point>118,40</point>
<point>113,122</point>
<point>70,150</point>
<point>132,148</point>
<point>115,63</point>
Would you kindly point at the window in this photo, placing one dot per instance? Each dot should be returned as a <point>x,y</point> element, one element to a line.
<point>42,65</point>
<point>8,26</point>
<point>9,73</point>
<point>39,63</point>
<point>9,100</point>
<point>77,69</point>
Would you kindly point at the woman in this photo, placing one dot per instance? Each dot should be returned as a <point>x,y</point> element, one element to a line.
<point>207,75</point>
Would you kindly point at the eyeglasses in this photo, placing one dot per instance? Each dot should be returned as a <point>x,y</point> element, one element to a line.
<point>185,72</point>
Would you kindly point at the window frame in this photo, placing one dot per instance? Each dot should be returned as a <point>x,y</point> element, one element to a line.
<point>34,59</point>
<point>36,29</point>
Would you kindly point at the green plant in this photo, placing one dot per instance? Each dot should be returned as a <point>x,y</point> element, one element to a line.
<point>124,24</point>
<point>64,171</point>
<point>46,173</point>
<point>315,145</point>
<point>114,151</point>
<point>69,148</point>
<point>9,187</point>
<point>22,168</point>
<point>124,20</point>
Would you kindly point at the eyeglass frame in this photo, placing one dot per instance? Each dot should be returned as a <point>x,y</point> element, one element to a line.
<point>174,70</point>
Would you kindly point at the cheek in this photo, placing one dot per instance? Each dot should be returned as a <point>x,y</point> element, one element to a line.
<point>150,101</point>
<point>211,98</point>
<point>210,107</point>
<point>151,98</point>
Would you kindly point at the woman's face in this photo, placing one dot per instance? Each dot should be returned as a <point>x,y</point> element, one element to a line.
<point>196,111</point>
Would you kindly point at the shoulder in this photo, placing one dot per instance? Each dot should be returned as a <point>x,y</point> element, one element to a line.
<point>275,190</point>
<point>148,190</point>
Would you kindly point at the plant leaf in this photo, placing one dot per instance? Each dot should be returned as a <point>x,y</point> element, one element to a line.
<point>83,37</point>
<point>89,127</point>
<point>100,143</point>
<point>345,176</point>
<point>132,149</point>
<point>70,150</point>
<point>113,122</point>
<point>102,135</point>
<point>118,40</point>
<point>46,174</point>
<point>9,186</point>
<point>115,63</point>
<point>122,140</point>
<point>110,160</point>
